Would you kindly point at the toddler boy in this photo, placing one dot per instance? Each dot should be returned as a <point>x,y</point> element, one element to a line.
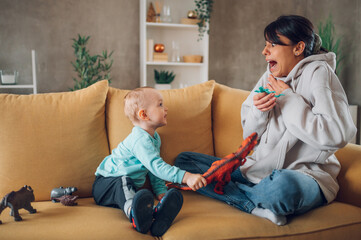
<point>121,174</point>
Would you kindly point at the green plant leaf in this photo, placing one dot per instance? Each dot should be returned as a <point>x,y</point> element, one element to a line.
<point>89,69</point>
<point>203,9</point>
<point>326,30</point>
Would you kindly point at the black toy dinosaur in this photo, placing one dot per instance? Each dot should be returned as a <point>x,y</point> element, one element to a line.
<point>17,200</point>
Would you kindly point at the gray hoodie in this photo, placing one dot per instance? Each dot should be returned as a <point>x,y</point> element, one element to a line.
<point>305,128</point>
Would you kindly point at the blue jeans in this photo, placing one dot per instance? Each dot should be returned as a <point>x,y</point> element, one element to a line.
<point>283,192</point>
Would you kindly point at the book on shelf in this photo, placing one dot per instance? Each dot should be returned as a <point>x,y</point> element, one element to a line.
<point>150,44</point>
<point>160,57</point>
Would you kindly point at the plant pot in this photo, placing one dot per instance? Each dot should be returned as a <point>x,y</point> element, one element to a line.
<point>162,86</point>
<point>8,77</point>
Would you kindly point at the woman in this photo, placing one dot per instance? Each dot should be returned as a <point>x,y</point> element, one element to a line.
<point>293,169</point>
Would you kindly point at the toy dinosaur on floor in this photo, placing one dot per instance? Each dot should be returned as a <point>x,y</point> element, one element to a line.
<point>220,171</point>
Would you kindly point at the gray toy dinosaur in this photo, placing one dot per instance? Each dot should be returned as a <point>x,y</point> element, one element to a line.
<point>58,192</point>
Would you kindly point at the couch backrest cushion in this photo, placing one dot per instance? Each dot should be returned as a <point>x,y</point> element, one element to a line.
<point>189,125</point>
<point>52,140</point>
<point>226,113</point>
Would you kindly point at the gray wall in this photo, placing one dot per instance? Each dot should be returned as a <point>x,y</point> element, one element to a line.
<point>48,26</point>
<point>236,38</point>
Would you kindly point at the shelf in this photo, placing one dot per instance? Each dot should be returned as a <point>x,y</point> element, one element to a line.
<point>16,86</point>
<point>175,64</point>
<point>171,25</point>
<point>186,37</point>
<point>30,86</point>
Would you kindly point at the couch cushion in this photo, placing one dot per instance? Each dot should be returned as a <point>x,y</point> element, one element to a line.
<point>205,218</point>
<point>189,125</point>
<point>349,176</point>
<point>52,140</point>
<point>227,127</point>
<point>55,221</point>
<point>200,218</point>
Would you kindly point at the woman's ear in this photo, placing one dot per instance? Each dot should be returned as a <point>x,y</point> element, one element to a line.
<point>142,115</point>
<point>299,48</point>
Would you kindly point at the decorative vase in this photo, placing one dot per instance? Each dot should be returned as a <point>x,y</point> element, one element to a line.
<point>175,57</point>
<point>192,14</point>
<point>165,15</point>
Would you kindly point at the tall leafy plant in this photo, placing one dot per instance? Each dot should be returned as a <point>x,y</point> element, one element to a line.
<point>203,9</point>
<point>90,69</point>
<point>330,41</point>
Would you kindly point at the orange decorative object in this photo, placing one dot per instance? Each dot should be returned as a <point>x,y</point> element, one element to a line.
<point>158,47</point>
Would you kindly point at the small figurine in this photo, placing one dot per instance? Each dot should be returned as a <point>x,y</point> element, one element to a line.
<point>68,200</point>
<point>18,200</point>
<point>58,192</point>
<point>151,13</point>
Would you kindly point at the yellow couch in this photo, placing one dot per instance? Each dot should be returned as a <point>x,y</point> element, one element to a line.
<point>58,139</point>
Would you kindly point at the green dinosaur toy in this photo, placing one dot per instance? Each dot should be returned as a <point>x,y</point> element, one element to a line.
<point>261,89</point>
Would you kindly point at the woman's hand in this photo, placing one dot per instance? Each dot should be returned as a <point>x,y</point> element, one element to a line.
<point>264,102</point>
<point>276,85</point>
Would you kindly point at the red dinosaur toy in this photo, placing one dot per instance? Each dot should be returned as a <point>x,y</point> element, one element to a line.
<point>220,171</point>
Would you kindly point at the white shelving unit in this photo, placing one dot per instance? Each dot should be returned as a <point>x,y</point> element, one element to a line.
<point>186,35</point>
<point>25,86</point>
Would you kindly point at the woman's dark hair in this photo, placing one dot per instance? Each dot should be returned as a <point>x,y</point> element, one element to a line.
<point>296,28</point>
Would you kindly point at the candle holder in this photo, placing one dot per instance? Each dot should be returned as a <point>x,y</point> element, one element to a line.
<point>8,77</point>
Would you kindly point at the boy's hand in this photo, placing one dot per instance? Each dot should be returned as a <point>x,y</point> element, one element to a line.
<point>194,181</point>
<point>160,196</point>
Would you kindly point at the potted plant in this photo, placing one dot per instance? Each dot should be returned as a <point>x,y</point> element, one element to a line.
<point>327,33</point>
<point>163,79</point>
<point>203,10</point>
<point>90,69</point>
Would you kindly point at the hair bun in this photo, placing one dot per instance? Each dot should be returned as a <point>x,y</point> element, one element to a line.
<point>317,43</point>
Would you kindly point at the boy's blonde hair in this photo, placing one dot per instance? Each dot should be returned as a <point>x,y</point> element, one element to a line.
<point>133,102</point>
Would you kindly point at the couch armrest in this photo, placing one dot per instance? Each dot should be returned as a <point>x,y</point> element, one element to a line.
<point>349,178</point>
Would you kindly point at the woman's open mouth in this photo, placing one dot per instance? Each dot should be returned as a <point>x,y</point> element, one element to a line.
<point>272,65</point>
